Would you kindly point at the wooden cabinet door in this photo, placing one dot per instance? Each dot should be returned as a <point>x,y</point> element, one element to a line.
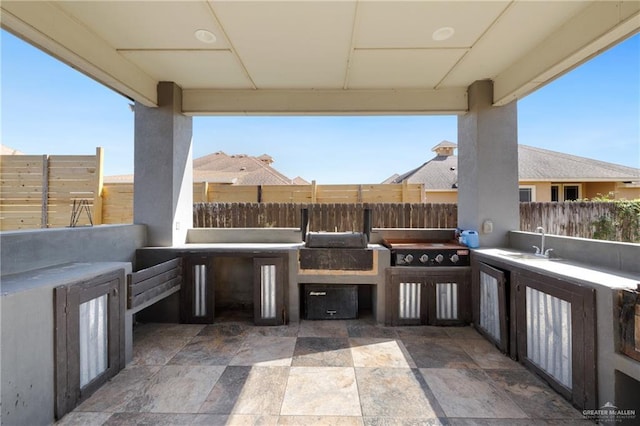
<point>491,306</point>
<point>448,297</point>
<point>556,334</point>
<point>89,337</point>
<point>406,299</point>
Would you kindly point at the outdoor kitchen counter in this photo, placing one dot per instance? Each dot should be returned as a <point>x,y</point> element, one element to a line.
<point>232,246</point>
<point>605,281</point>
<point>565,269</point>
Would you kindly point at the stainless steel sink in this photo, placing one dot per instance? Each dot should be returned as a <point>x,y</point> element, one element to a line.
<point>529,256</point>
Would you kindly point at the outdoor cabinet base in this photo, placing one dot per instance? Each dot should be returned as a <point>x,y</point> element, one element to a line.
<point>323,302</point>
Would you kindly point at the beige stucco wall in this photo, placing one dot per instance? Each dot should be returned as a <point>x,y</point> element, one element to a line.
<point>543,192</point>
<point>597,189</point>
<point>623,193</point>
<point>442,197</point>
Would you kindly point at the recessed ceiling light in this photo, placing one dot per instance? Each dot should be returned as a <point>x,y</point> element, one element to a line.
<point>442,34</point>
<point>205,36</point>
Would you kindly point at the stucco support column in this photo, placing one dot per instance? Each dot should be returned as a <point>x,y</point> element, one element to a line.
<point>163,178</point>
<point>488,166</point>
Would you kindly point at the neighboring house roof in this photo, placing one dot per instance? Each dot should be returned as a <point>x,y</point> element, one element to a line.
<point>534,164</point>
<point>237,169</point>
<point>544,165</point>
<point>5,150</point>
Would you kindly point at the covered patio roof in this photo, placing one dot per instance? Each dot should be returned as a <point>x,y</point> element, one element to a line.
<point>322,57</point>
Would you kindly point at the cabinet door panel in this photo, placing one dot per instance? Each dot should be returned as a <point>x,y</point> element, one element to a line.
<point>428,296</point>
<point>197,294</point>
<point>556,335</point>
<point>268,290</point>
<point>491,314</point>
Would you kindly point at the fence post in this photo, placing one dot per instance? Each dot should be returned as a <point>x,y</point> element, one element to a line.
<point>44,218</point>
<point>97,203</point>
<point>313,191</point>
<point>205,191</point>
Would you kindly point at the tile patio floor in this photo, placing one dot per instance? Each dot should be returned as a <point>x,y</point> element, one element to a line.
<point>320,372</point>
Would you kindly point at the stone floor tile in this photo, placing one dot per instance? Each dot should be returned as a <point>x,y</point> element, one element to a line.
<point>319,421</point>
<point>322,352</point>
<point>463,333</point>
<point>486,355</point>
<point>290,330</point>
<point>226,329</point>
<point>247,420</point>
<point>114,395</point>
<point>371,330</point>
<point>176,389</point>
<point>265,351</point>
<point>226,392</point>
<point>394,392</point>
<point>208,350</point>
<point>328,328</point>
<point>78,418</point>
<point>422,331</point>
<point>519,422</point>
<point>141,330</point>
<point>372,376</point>
<point>372,352</point>
<point>210,419</point>
<point>437,353</point>
<point>469,393</point>
<point>155,419</point>
<point>321,391</point>
<point>157,348</point>
<point>532,395</point>
<point>404,421</point>
<point>248,390</point>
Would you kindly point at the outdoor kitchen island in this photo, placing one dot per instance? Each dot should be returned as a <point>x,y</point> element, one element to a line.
<point>255,267</point>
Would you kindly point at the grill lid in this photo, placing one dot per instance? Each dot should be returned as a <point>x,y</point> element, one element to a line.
<point>352,240</point>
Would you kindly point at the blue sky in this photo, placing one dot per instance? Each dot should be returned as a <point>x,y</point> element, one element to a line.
<point>49,108</point>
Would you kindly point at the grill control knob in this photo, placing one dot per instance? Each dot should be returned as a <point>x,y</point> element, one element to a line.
<point>455,258</point>
<point>439,258</point>
<point>408,258</point>
<point>424,258</point>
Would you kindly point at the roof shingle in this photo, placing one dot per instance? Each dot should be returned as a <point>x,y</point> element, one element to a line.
<point>534,164</point>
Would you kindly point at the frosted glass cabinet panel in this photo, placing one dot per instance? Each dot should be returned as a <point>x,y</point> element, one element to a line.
<point>491,307</point>
<point>268,290</point>
<point>428,296</point>
<point>94,339</point>
<point>549,334</point>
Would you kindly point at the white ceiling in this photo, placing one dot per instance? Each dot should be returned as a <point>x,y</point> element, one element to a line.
<point>322,57</point>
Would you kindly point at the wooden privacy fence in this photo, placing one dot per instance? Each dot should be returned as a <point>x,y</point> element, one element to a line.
<point>117,198</point>
<point>38,191</point>
<point>370,193</point>
<point>117,203</point>
<point>603,220</point>
<point>324,217</point>
<point>575,219</point>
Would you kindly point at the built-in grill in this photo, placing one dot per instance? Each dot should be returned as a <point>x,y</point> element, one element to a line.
<point>428,253</point>
<point>331,256</point>
<point>340,251</point>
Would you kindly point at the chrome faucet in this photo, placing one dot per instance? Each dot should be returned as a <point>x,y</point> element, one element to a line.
<point>540,251</point>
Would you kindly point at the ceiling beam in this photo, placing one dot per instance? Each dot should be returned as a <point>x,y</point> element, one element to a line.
<point>46,26</point>
<point>599,26</point>
<point>324,102</point>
